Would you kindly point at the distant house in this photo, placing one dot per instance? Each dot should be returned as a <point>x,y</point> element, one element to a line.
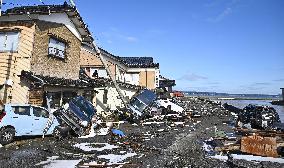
<point>166,83</point>
<point>140,71</point>
<point>40,53</point>
<point>131,73</point>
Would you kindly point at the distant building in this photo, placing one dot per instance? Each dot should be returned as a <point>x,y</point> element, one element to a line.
<point>178,94</point>
<point>166,83</point>
<point>282,93</point>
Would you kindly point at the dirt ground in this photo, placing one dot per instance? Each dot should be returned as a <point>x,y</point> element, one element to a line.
<point>149,144</point>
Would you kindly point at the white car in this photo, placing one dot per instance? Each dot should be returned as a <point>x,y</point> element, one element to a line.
<point>20,120</point>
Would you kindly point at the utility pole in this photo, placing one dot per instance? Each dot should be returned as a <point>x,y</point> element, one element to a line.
<point>72,3</point>
<point>121,95</point>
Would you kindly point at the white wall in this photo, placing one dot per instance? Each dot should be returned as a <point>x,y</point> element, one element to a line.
<point>113,100</point>
<point>132,78</point>
<point>53,17</point>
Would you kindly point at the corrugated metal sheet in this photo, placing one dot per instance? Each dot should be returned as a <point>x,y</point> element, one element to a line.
<point>259,145</point>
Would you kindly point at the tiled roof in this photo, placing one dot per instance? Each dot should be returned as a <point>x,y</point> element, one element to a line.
<point>140,62</point>
<point>54,81</point>
<point>72,13</point>
<point>133,62</point>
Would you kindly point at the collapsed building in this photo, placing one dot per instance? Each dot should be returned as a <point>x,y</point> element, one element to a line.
<point>46,50</point>
<point>131,74</point>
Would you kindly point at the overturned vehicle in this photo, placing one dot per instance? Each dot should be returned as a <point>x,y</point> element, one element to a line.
<point>145,104</point>
<point>140,105</point>
<point>75,118</point>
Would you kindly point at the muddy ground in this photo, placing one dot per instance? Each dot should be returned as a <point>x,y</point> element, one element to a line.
<point>157,144</point>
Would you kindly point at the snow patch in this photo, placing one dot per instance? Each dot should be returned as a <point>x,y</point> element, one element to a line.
<point>51,162</point>
<point>93,133</point>
<point>250,158</point>
<point>90,146</point>
<point>114,159</point>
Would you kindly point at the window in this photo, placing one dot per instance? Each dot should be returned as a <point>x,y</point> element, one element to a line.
<point>97,72</point>
<point>56,48</point>
<point>21,110</point>
<point>39,112</point>
<point>132,78</point>
<point>9,41</point>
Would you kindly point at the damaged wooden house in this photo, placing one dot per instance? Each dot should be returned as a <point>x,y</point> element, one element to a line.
<point>40,54</point>
<point>131,73</point>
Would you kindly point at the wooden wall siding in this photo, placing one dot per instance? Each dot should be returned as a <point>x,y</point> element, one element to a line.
<point>11,64</point>
<point>36,97</point>
<point>88,59</point>
<point>147,79</point>
<point>45,65</point>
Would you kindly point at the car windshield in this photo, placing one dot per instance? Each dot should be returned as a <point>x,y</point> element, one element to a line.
<point>146,96</point>
<point>85,106</point>
<point>137,104</point>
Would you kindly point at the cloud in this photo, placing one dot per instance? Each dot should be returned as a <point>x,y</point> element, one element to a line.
<point>213,83</point>
<point>221,15</point>
<point>278,80</point>
<point>113,34</point>
<point>192,77</point>
<point>257,86</point>
<point>109,41</point>
<point>156,31</point>
<point>227,10</point>
<point>261,83</point>
<point>131,39</point>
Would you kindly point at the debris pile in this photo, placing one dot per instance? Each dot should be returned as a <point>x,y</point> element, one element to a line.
<point>258,117</point>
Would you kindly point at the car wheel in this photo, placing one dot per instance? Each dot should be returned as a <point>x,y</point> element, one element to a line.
<point>60,132</point>
<point>7,135</point>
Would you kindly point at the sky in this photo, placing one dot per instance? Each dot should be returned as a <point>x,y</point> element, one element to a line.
<point>232,46</point>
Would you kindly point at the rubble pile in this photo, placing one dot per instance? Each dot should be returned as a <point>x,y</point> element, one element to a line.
<point>262,117</point>
<point>198,107</point>
<point>167,139</point>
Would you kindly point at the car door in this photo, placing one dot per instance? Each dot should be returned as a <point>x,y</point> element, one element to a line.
<point>22,120</point>
<point>40,118</point>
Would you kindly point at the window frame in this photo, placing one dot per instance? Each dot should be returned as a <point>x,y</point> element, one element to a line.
<point>35,110</point>
<point>21,113</point>
<point>61,41</point>
<point>6,32</point>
